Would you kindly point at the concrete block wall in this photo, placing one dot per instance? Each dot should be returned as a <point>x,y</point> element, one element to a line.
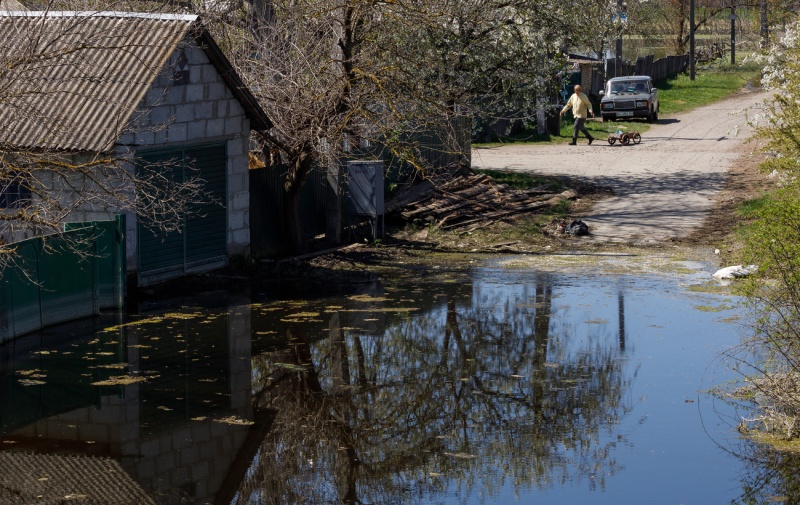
<point>204,110</point>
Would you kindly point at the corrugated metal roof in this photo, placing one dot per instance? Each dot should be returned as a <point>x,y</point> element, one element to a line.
<point>70,80</point>
<point>43,478</point>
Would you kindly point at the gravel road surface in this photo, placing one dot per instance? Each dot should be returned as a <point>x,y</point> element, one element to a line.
<point>663,187</point>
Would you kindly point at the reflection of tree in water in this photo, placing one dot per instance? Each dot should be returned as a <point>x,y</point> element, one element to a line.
<point>463,396</point>
<point>771,477</point>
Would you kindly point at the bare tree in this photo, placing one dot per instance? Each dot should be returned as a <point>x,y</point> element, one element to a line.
<point>334,72</point>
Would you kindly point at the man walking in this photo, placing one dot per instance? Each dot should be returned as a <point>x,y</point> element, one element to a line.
<point>580,105</point>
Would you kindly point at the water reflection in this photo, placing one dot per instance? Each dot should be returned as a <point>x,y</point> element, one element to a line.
<point>501,387</point>
<point>154,410</point>
<point>475,392</point>
<point>773,477</point>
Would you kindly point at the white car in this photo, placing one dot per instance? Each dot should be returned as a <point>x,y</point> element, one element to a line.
<point>629,97</point>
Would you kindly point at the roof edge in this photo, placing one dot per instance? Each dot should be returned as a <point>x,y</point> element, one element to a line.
<point>101,14</point>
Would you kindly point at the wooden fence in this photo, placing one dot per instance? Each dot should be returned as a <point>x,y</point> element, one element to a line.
<point>658,70</point>
<point>448,146</point>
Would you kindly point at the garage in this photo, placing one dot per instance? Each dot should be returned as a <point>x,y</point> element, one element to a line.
<point>201,242</point>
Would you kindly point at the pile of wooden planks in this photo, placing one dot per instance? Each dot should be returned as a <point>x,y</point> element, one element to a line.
<point>472,201</point>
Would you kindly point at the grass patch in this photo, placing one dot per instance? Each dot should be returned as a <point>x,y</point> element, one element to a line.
<point>517,180</point>
<point>710,308</point>
<point>777,442</point>
<point>750,209</point>
<point>749,213</point>
<point>682,94</point>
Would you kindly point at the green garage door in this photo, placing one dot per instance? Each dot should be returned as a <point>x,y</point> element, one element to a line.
<point>201,243</point>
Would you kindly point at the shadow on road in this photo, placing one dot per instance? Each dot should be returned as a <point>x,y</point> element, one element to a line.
<point>681,181</point>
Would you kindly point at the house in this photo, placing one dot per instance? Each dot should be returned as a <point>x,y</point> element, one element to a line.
<point>591,81</point>
<point>127,92</point>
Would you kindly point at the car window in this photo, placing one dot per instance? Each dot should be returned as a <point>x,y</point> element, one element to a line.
<point>620,87</point>
<point>617,87</point>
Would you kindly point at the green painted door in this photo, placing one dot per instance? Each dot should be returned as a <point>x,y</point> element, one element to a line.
<point>206,232</point>
<point>201,241</point>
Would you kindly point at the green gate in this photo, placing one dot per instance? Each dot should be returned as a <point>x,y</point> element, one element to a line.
<point>59,278</point>
<point>202,241</point>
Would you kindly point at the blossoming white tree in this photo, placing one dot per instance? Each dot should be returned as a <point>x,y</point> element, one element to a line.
<point>773,358</point>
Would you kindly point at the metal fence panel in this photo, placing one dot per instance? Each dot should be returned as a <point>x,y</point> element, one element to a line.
<point>267,236</point>
<point>450,147</point>
<point>67,277</point>
<point>20,310</point>
<point>60,278</point>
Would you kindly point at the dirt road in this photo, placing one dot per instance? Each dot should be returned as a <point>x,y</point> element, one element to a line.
<point>663,188</point>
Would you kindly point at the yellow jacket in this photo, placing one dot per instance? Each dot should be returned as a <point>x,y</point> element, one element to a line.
<point>580,105</point>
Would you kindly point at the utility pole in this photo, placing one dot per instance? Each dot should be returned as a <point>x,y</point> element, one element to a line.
<point>618,50</point>
<point>691,39</point>
<point>733,34</point>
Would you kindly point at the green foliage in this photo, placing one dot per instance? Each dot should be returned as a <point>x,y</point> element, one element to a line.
<point>773,243</point>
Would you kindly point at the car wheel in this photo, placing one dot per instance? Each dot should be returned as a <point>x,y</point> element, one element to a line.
<point>656,115</point>
<point>651,118</point>
<point>637,138</point>
<point>605,119</point>
<point>612,141</point>
<point>625,141</point>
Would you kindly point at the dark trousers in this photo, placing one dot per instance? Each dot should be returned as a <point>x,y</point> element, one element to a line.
<point>580,126</point>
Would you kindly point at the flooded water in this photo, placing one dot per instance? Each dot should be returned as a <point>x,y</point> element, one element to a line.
<point>507,385</point>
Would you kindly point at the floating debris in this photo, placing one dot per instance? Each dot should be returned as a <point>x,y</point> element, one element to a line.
<point>115,366</point>
<point>31,373</point>
<point>291,366</point>
<point>235,421</point>
<point>735,272</point>
<point>368,298</point>
<point>304,314</point>
<point>120,380</point>
<point>31,382</point>
<point>460,455</point>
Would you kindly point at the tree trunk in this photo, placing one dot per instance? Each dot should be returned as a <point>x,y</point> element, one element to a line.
<point>293,222</point>
<point>295,178</point>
